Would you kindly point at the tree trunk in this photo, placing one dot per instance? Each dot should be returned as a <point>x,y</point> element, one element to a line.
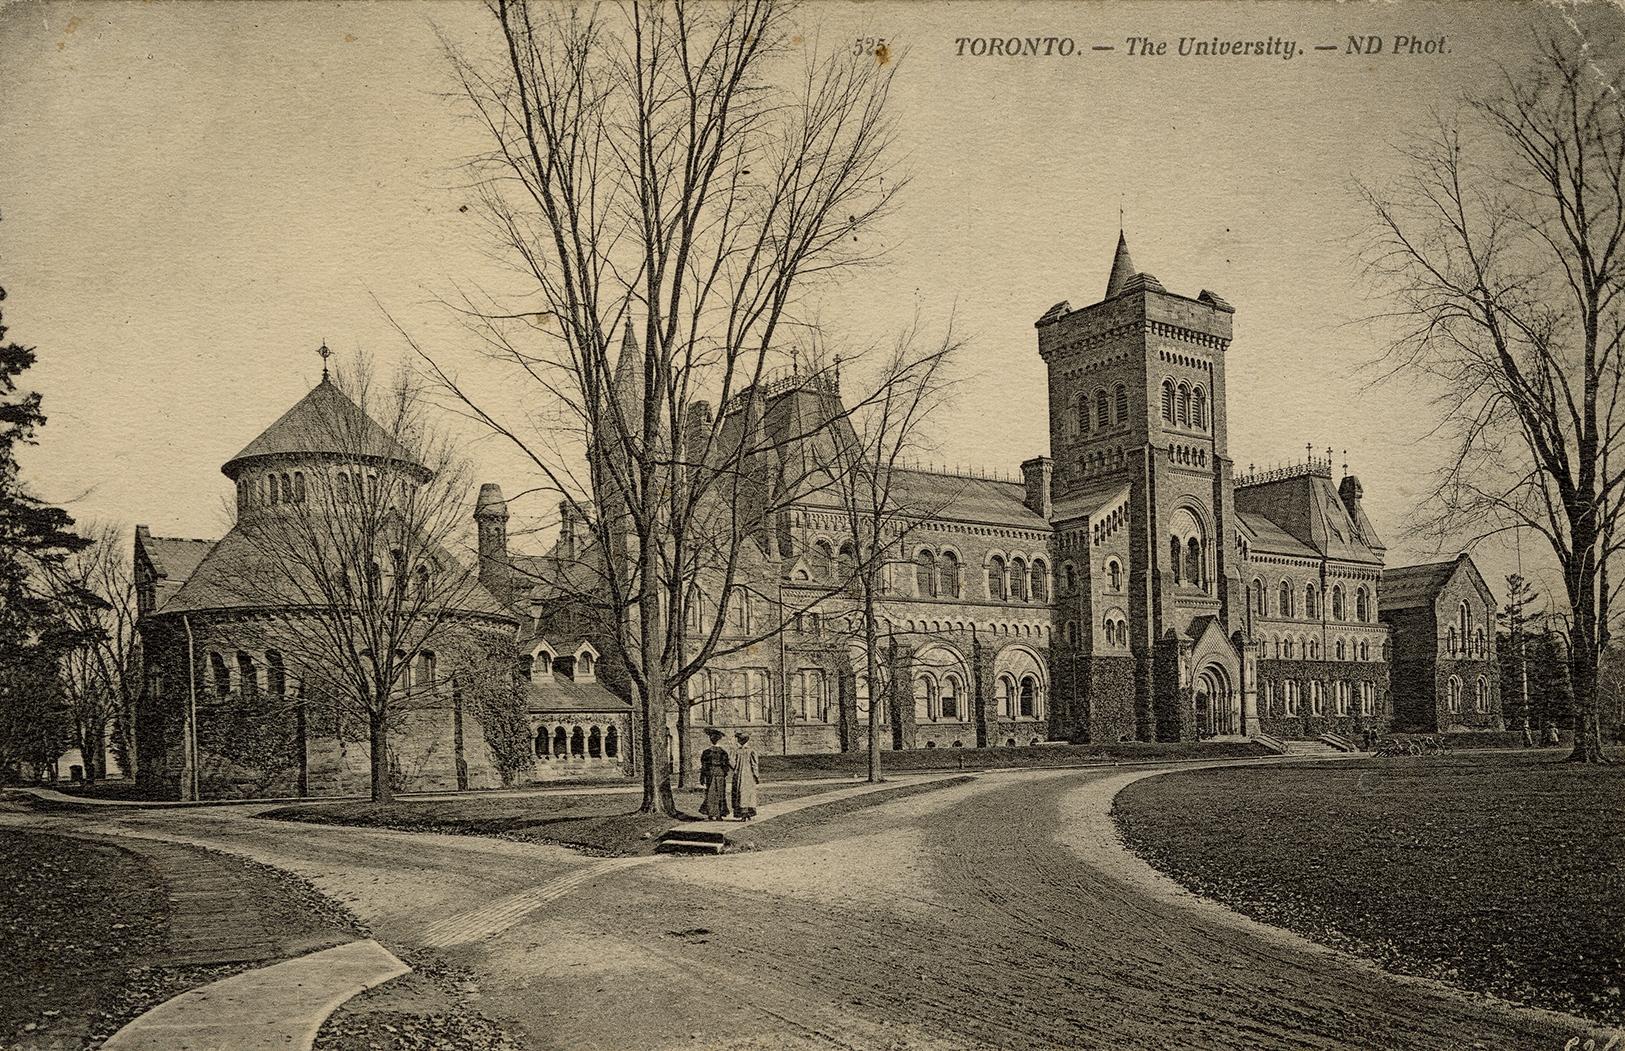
<point>1583,661</point>
<point>657,795</point>
<point>685,719</point>
<point>871,670</point>
<point>378,725</point>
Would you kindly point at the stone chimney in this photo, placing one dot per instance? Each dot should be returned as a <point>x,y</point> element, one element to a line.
<point>1037,473</point>
<point>571,529</point>
<point>491,514</point>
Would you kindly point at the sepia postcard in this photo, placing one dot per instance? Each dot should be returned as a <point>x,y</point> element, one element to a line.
<point>745,524</point>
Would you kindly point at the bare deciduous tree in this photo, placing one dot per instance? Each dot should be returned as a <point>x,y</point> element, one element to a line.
<point>880,510</point>
<point>353,572</point>
<point>101,681</point>
<point>1503,254</point>
<point>690,170</point>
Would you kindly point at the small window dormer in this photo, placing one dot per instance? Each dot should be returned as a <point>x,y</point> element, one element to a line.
<point>541,663</point>
<point>586,663</point>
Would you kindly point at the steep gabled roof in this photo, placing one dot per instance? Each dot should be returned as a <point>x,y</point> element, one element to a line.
<point>1410,587</point>
<point>323,421</point>
<point>173,560</point>
<point>1268,538</point>
<point>1307,508</point>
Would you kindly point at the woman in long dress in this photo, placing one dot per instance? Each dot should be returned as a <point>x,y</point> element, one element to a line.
<point>714,766</point>
<point>747,776</point>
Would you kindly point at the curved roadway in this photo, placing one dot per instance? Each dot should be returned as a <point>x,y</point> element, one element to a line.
<point>964,917</point>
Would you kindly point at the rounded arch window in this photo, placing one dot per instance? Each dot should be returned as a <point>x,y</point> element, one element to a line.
<point>1028,698</point>
<point>1199,409</point>
<point>1120,397</point>
<point>1168,401</point>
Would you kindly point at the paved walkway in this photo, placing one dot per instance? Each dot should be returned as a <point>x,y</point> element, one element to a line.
<point>268,1009</point>
<point>768,811</point>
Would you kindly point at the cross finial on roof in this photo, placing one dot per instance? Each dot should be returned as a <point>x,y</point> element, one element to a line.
<point>325,353</point>
<point>1309,450</point>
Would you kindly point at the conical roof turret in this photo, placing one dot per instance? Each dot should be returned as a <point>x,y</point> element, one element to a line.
<point>323,422</point>
<point>1122,268</point>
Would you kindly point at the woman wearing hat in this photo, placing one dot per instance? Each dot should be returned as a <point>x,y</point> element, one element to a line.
<point>714,766</point>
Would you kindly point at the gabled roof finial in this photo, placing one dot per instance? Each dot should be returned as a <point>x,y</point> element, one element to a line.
<point>325,353</point>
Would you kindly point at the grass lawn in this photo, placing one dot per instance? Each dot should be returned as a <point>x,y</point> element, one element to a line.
<point>999,758</point>
<point>78,921</point>
<point>599,824</point>
<point>1501,873</point>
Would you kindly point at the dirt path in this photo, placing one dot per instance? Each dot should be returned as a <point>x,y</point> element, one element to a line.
<point>956,919</point>
<point>960,918</point>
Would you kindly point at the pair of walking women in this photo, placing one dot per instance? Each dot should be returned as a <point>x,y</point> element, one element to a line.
<point>729,778</point>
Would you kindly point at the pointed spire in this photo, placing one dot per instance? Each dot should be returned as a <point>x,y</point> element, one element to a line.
<point>1122,268</point>
<point>628,381</point>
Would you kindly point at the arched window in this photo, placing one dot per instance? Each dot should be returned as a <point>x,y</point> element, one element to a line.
<point>1081,420</point>
<point>1452,640</point>
<point>1478,644</point>
<point>995,578</point>
<point>612,743</point>
<point>1174,557</point>
<point>1337,601</point>
<point>1029,697</point>
<point>427,674</point>
<point>1121,398</point>
<point>1199,409</point>
<point>275,489</point>
<point>1342,650</point>
<point>1114,574</point>
<point>248,676</point>
<point>1362,608</point>
<point>1018,580</point>
<point>1103,411</point>
<point>1464,621</point>
<point>298,487</point>
<point>220,674</point>
<point>1481,695</point>
<point>595,743</point>
<point>1286,648</point>
<point>848,561</point>
<point>1365,650</point>
<point>1453,701</point>
<point>1184,405</point>
<point>276,674</point>
<point>1261,601</point>
<point>949,702</point>
<point>1193,562</point>
<point>824,562</point>
<point>1003,695</point>
<point>1285,599</point>
<point>578,743</point>
<point>1309,596</point>
<point>1168,401</point>
<point>542,740</point>
<point>925,574</point>
<point>948,574</point>
<point>1040,576</point>
<point>561,742</point>
<point>1312,650</point>
<point>922,699</point>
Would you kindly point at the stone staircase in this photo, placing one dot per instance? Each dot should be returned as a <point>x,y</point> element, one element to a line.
<point>693,838</point>
<point>1305,747</point>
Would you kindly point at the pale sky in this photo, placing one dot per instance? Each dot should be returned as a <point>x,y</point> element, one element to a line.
<point>194,196</point>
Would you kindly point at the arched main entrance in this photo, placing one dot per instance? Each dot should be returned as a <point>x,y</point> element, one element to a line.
<point>1217,710</point>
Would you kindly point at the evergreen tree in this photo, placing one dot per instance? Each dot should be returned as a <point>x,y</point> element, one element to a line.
<point>35,539</point>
